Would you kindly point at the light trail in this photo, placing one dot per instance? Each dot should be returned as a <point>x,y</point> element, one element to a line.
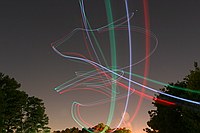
<point>106,80</point>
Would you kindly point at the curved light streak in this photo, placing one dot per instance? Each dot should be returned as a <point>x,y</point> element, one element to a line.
<point>111,76</point>
<point>134,82</point>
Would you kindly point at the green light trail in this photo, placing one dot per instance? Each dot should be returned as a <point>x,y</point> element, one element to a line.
<point>113,58</point>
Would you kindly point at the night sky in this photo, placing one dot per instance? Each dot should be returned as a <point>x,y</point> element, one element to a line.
<point>27,29</point>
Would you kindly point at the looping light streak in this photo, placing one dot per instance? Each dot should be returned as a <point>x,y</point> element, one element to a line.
<point>106,80</point>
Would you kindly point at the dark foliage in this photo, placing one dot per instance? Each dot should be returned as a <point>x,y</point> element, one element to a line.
<point>97,129</point>
<point>19,112</point>
<point>183,117</point>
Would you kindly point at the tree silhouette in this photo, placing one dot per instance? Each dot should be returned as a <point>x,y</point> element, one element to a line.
<point>96,129</point>
<point>18,112</point>
<point>183,117</point>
